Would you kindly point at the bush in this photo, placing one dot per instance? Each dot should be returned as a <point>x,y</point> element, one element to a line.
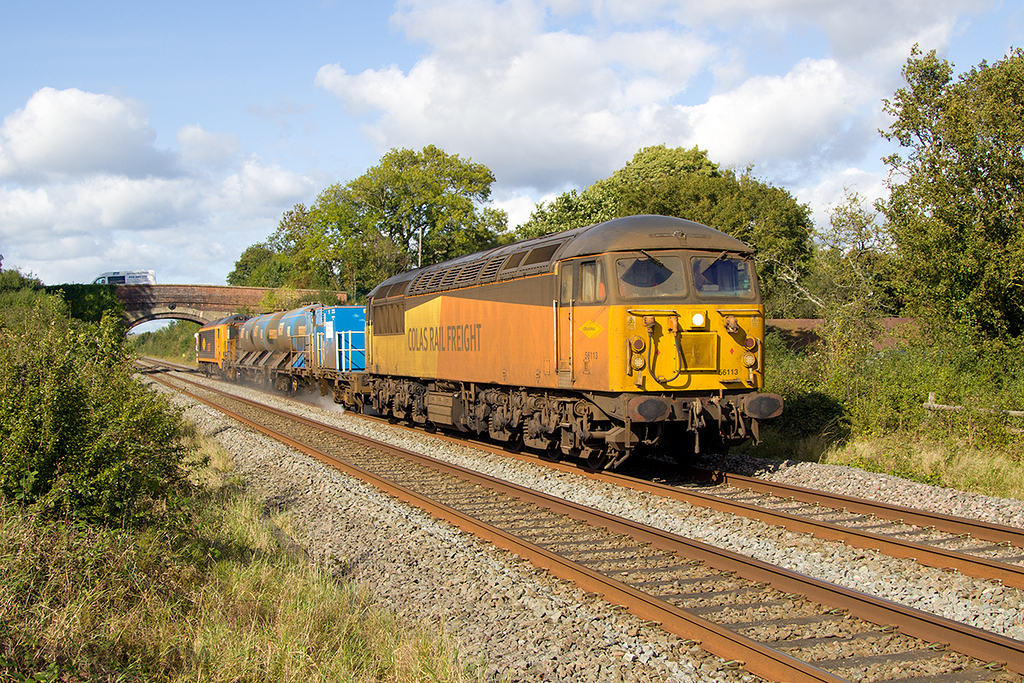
<point>80,437</point>
<point>797,377</point>
<point>847,387</point>
<point>89,302</point>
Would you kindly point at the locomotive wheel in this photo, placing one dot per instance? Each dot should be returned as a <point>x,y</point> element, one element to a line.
<point>593,460</point>
<point>551,454</point>
<point>515,442</point>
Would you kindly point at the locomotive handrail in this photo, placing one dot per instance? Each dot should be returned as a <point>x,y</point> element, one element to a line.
<point>745,311</point>
<point>652,311</point>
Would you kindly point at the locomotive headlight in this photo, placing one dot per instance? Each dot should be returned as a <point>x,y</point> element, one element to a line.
<point>698,320</point>
<point>749,360</point>
<point>638,362</point>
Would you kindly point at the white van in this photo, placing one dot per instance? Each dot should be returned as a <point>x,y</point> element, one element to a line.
<point>127,277</point>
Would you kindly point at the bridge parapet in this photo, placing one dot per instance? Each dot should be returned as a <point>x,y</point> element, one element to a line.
<point>206,303</point>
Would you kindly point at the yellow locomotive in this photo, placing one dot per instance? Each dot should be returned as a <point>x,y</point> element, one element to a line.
<point>646,330</point>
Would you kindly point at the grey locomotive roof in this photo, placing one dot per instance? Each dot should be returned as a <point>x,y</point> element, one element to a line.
<point>539,254</point>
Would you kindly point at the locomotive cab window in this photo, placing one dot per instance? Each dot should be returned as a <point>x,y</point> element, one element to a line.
<point>592,288</point>
<point>723,277</point>
<point>650,276</point>
<point>565,273</point>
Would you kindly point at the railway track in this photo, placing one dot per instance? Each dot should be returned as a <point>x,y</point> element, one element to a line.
<point>774,623</point>
<point>972,547</point>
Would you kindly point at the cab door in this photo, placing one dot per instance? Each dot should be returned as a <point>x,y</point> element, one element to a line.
<point>564,313</point>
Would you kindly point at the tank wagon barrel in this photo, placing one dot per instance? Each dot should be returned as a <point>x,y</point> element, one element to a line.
<point>644,332</point>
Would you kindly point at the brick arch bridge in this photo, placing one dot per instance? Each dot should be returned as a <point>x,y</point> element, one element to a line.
<point>206,303</point>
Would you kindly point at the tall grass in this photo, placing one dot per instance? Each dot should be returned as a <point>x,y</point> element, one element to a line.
<point>852,401</point>
<point>223,602</point>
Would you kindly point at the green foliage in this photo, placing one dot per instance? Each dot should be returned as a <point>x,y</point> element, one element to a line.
<point>849,386</point>
<point>260,266</point>
<point>687,184</point>
<point>79,437</point>
<point>852,272</point>
<point>174,342</point>
<point>413,206</point>
<point>219,602</point>
<point>89,302</point>
<point>796,376</point>
<point>16,281</point>
<point>956,206</point>
<point>572,209</point>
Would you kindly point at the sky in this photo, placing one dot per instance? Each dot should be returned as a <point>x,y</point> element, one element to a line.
<point>171,136</point>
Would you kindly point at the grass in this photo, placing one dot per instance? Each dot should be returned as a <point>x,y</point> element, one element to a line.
<point>953,463</point>
<point>222,602</point>
<point>864,408</point>
<point>959,461</point>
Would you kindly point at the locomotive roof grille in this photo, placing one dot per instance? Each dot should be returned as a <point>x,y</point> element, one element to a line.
<point>414,287</point>
<point>534,256</point>
<point>450,276</point>
<point>468,274</point>
<point>491,269</point>
<point>514,260</point>
<point>435,279</point>
<point>542,254</point>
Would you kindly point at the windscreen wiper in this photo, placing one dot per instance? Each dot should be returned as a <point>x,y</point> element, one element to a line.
<point>717,259</point>
<point>656,261</point>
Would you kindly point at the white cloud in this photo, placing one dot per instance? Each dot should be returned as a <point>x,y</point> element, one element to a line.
<point>550,94</point>
<point>830,191</point>
<point>63,133</point>
<point>779,117</point>
<point>867,28</point>
<point>528,115</point>
<point>60,248</point>
<point>84,189</point>
<point>202,148</point>
<point>517,205</point>
<point>257,186</point>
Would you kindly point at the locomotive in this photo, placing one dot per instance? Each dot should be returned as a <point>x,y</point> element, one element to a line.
<point>645,332</point>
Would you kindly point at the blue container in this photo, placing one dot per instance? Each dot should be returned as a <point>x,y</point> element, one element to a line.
<point>339,339</point>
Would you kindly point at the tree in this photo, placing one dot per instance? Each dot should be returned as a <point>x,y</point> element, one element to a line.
<point>685,183</point>
<point>426,203</point>
<point>956,206</point>
<point>851,266</point>
<point>259,266</point>
<point>413,207</point>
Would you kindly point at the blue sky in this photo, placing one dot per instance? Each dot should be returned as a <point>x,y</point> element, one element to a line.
<point>170,136</point>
